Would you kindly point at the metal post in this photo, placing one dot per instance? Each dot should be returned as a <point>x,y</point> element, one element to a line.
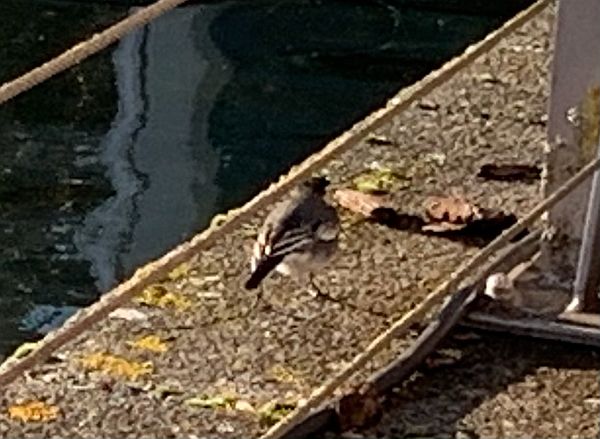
<point>587,280</point>
<point>574,118</point>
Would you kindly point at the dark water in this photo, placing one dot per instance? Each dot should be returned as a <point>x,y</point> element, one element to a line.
<point>114,162</point>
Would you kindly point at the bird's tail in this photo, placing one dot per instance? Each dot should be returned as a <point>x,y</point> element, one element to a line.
<point>261,271</point>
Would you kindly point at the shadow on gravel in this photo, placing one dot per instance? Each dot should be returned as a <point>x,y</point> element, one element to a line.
<point>464,373</point>
<point>477,233</point>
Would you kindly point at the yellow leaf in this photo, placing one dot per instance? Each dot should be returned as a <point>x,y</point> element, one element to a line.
<point>159,296</point>
<point>33,411</point>
<point>284,374</point>
<point>218,220</point>
<point>274,411</point>
<point>380,180</point>
<point>116,366</point>
<point>21,351</point>
<point>180,271</point>
<point>211,401</point>
<point>149,343</point>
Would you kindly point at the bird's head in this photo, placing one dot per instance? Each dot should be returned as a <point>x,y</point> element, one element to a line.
<point>499,287</point>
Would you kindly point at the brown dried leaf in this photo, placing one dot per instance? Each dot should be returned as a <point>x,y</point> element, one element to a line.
<point>359,202</point>
<point>510,172</point>
<point>358,409</point>
<point>452,209</point>
<point>33,411</point>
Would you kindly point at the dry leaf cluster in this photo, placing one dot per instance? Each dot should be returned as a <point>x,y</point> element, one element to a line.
<point>159,296</point>
<point>31,411</point>
<point>151,343</point>
<point>116,366</point>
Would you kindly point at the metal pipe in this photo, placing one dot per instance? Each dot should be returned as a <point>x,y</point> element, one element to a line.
<point>587,280</point>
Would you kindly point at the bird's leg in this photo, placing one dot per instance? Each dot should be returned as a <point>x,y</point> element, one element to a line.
<point>316,293</point>
<point>313,288</point>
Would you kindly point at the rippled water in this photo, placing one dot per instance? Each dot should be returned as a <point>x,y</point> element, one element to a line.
<point>114,162</point>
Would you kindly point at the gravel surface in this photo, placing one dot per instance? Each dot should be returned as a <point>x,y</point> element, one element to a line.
<point>220,341</point>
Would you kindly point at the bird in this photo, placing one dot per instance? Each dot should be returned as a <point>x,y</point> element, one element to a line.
<point>526,294</point>
<point>299,236</point>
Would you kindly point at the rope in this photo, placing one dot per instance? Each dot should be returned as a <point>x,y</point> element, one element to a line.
<point>403,324</point>
<point>85,49</point>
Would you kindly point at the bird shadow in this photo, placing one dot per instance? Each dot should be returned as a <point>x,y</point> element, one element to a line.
<point>476,233</point>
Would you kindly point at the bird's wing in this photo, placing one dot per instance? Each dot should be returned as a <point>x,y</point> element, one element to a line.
<point>292,240</point>
<point>267,257</point>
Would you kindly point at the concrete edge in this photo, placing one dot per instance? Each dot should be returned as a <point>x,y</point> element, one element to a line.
<point>157,269</point>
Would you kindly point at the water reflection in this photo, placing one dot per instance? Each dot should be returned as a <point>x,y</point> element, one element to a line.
<point>157,152</point>
<point>209,104</point>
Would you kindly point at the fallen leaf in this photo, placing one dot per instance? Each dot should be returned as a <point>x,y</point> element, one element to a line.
<point>284,374</point>
<point>274,411</point>
<point>217,401</point>
<point>180,271</point>
<point>380,180</point>
<point>129,314</point>
<point>151,343</point>
<point>33,411</point>
<point>443,226</point>
<point>22,351</point>
<point>357,409</point>
<point>451,209</point>
<point>510,172</point>
<point>159,296</point>
<point>218,220</point>
<point>358,201</point>
<point>116,366</point>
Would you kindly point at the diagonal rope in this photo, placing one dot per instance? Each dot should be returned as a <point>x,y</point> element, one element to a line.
<point>85,49</point>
